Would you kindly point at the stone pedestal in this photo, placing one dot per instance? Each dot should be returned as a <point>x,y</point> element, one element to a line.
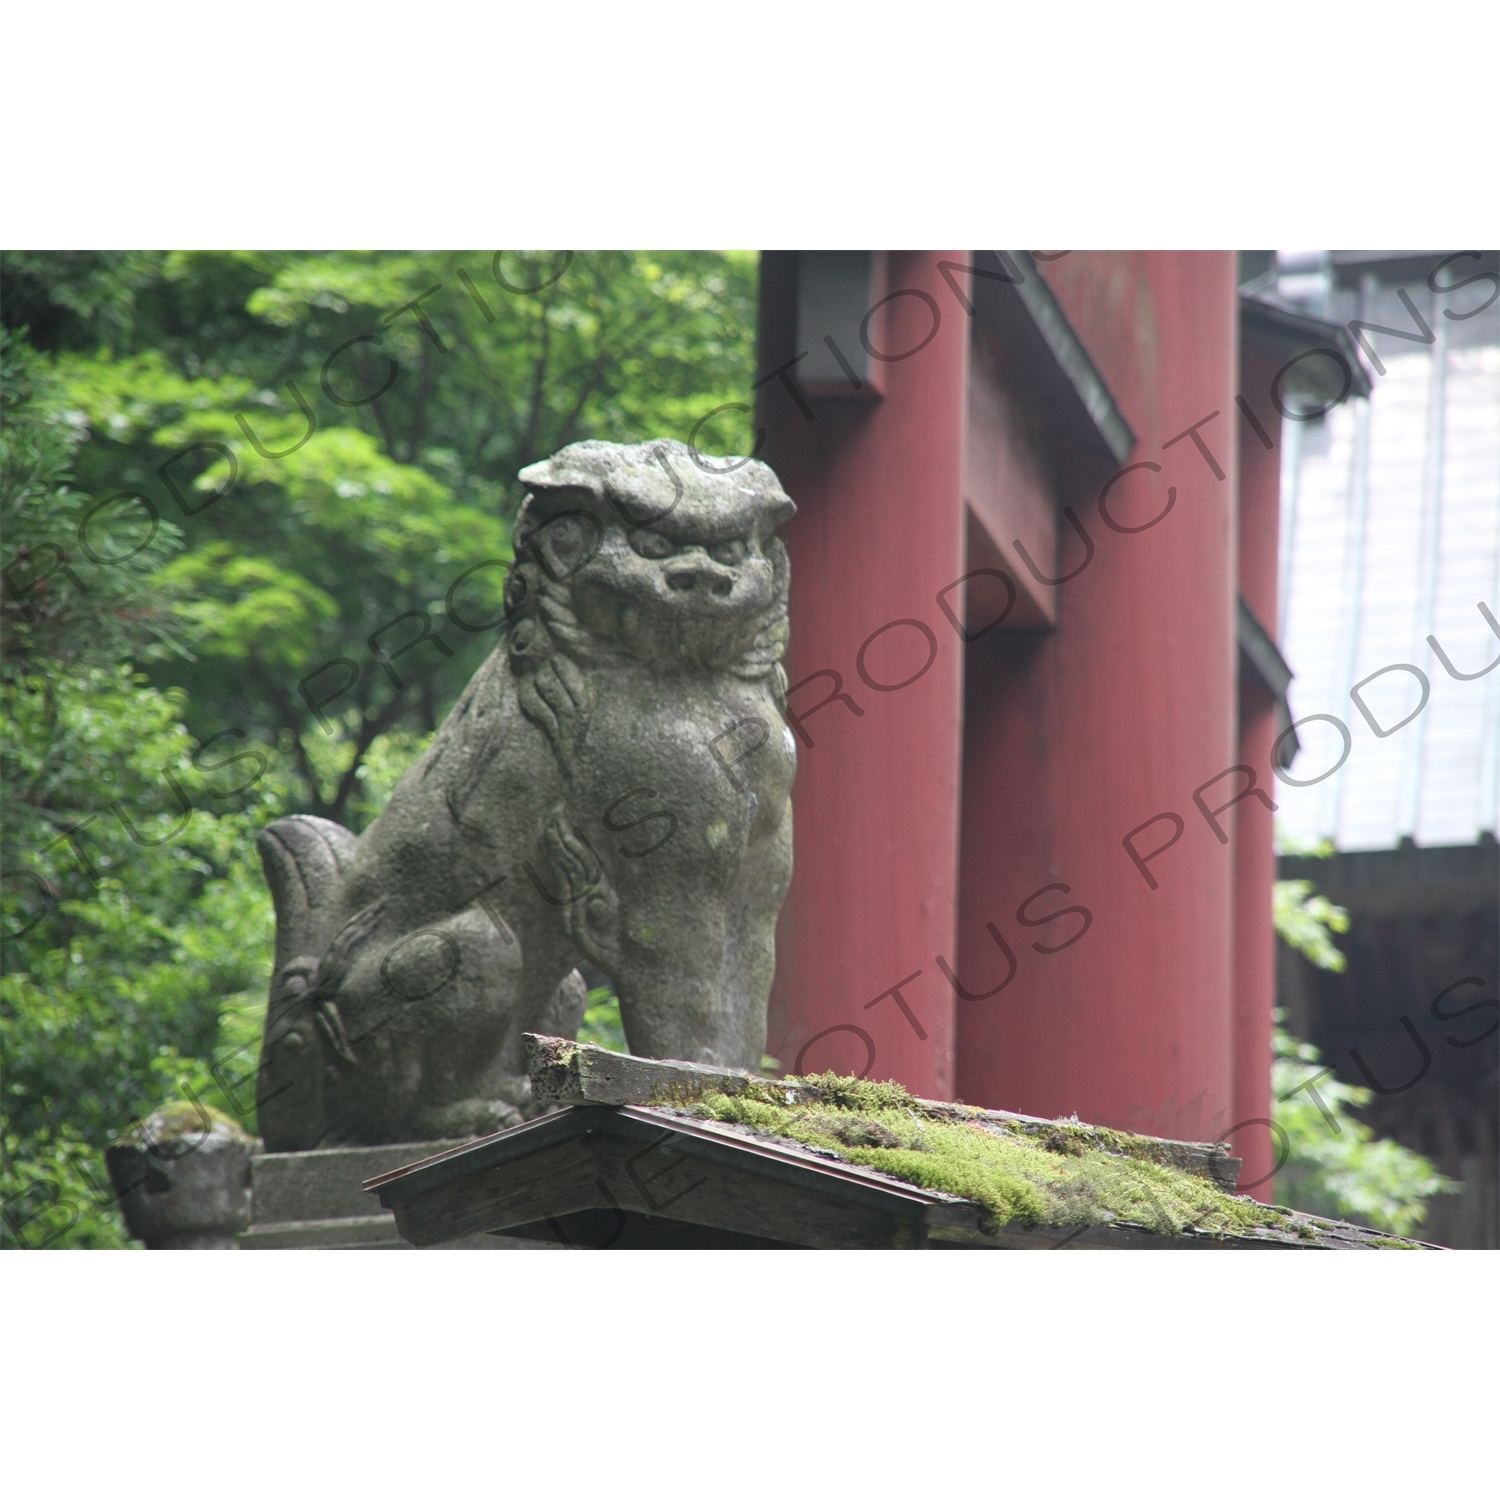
<point>313,1200</point>
<point>183,1178</point>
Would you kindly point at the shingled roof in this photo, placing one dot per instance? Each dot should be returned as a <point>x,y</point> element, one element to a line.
<point>641,1153</point>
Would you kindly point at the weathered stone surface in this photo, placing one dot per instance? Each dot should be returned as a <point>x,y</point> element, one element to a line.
<point>312,1200</point>
<point>612,787</point>
<point>183,1176</point>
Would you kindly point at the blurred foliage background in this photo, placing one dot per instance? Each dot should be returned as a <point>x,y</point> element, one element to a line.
<point>256,518</point>
<point>1331,1162</point>
<point>256,514</point>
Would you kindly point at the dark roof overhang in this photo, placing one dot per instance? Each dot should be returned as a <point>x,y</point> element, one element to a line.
<point>1016,304</point>
<point>1287,335</point>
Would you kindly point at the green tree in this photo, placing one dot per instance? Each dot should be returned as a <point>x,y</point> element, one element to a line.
<point>1334,1164</point>
<point>143,929</point>
<point>137,929</point>
<point>212,563</point>
<point>74,570</point>
<point>344,556</point>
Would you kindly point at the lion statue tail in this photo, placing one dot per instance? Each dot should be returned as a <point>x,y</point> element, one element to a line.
<point>305,859</point>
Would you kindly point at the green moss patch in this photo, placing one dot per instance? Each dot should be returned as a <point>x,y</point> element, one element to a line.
<point>181,1119</point>
<point>1056,1175</point>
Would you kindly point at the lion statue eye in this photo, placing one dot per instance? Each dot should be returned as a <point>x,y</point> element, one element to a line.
<point>730,553</point>
<point>650,543</point>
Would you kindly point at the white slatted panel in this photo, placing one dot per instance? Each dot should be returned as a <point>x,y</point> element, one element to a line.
<point>1394,510</point>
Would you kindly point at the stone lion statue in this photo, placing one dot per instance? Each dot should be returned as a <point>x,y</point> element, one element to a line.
<point>612,787</point>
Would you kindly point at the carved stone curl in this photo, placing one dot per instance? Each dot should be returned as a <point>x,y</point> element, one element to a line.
<point>612,787</point>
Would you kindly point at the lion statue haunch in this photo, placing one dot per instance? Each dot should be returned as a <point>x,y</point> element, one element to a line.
<point>613,786</point>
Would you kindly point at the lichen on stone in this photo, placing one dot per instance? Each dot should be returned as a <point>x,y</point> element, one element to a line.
<point>1060,1175</point>
<point>180,1119</point>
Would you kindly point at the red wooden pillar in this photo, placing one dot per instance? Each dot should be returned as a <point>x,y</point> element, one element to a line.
<point>879,531</point>
<point>1068,739</point>
<point>1108,724</point>
<point>1254,849</point>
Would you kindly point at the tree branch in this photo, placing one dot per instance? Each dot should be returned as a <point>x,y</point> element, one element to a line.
<point>369,731</point>
<point>538,385</point>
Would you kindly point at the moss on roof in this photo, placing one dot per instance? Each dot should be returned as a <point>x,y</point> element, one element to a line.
<point>1062,1175</point>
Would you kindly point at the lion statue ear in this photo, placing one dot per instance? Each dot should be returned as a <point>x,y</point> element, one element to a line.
<point>556,473</point>
<point>779,509</point>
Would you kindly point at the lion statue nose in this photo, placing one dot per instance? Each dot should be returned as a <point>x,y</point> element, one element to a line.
<point>702,575</point>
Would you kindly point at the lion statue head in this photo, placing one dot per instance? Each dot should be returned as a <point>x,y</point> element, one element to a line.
<point>649,552</point>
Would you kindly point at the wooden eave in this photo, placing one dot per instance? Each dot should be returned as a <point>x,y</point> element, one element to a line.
<point>642,1160</point>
